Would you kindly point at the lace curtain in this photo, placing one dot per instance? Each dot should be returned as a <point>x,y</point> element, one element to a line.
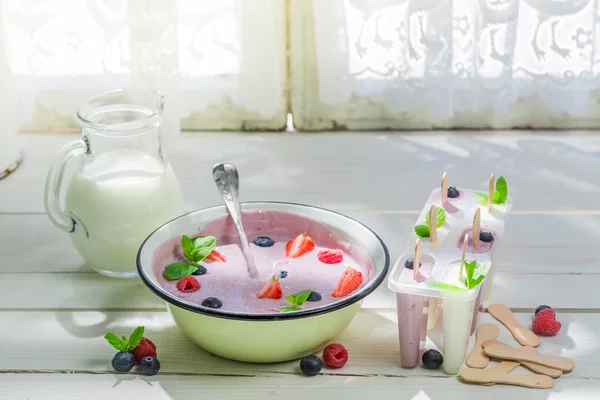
<point>422,64</point>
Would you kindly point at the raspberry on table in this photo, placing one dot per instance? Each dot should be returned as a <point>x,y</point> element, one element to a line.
<point>335,355</point>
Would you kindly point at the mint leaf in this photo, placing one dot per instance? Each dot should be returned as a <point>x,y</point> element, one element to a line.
<point>203,246</point>
<point>297,299</point>
<point>179,270</point>
<point>469,271</point>
<point>125,342</point>
<point>136,338</point>
<point>422,231</point>
<point>477,281</point>
<point>188,247</point>
<point>447,286</point>
<point>484,197</point>
<point>114,341</point>
<point>502,190</point>
<point>440,216</point>
<point>496,198</point>
<point>287,309</point>
<point>482,270</point>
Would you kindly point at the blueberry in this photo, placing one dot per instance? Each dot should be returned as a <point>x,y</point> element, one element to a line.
<point>453,192</point>
<point>200,271</point>
<point>263,241</point>
<point>212,302</point>
<point>314,296</point>
<point>540,308</point>
<point>283,274</point>
<point>432,359</point>
<point>410,263</point>
<point>311,365</point>
<point>123,361</point>
<point>485,236</point>
<point>149,366</point>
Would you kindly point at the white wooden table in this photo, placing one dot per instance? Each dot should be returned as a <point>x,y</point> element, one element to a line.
<point>54,311</point>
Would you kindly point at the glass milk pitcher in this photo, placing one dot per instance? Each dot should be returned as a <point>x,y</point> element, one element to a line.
<point>123,187</point>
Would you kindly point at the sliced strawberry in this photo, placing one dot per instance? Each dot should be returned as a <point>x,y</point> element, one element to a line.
<point>215,256</point>
<point>349,281</point>
<point>299,245</point>
<point>272,290</point>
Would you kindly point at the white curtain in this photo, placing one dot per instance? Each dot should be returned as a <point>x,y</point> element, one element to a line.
<point>422,64</point>
<point>221,64</point>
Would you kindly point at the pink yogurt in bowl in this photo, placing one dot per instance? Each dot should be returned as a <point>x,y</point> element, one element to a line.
<point>248,328</point>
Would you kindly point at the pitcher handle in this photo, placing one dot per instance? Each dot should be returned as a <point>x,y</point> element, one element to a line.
<point>54,180</point>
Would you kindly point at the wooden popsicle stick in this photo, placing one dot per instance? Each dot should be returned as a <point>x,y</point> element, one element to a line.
<point>508,353</point>
<point>540,369</point>
<point>434,314</point>
<point>417,259</point>
<point>476,226</point>
<point>504,367</point>
<point>491,189</point>
<point>432,224</point>
<point>444,189</point>
<point>477,358</point>
<point>534,381</point>
<point>521,334</point>
<point>462,256</point>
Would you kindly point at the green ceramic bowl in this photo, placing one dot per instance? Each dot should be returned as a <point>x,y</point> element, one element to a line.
<point>265,338</point>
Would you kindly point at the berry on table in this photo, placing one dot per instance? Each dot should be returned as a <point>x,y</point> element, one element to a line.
<point>149,366</point>
<point>335,355</point>
<point>263,241</point>
<point>545,326</point>
<point>432,359</point>
<point>123,361</point>
<point>311,365</point>
<point>314,296</point>
<point>212,302</point>
<point>188,284</point>
<point>200,271</point>
<point>137,346</point>
<point>453,192</point>
<point>546,313</point>
<point>330,256</point>
<point>486,237</point>
<point>540,308</point>
<point>410,263</point>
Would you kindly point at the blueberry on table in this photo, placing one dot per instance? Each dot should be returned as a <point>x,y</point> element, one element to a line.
<point>540,308</point>
<point>453,192</point>
<point>263,241</point>
<point>485,236</point>
<point>311,365</point>
<point>200,271</point>
<point>283,274</point>
<point>410,263</point>
<point>432,359</point>
<point>123,361</point>
<point>314,296</point>
<point>149,366</point>
<point>212,302</point>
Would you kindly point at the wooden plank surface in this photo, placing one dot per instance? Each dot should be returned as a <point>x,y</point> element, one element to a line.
<point>108,386</point>
<point>357,171</point>
<point>73,342</point>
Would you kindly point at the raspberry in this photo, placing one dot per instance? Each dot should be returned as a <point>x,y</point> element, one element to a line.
<point>330,256</point>
<point>188,284</point>
<point>545,327</point>
<point>335,355</point>
<point>546,313</point>
<point>144,349</point>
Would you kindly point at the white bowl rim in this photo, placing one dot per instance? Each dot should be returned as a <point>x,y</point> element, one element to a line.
<point>353,298</point>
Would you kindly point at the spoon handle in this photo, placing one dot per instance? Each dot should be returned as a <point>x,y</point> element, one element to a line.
<point>228,182</point>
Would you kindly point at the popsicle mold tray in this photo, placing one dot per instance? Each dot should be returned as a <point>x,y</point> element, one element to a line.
<point>443,258</point>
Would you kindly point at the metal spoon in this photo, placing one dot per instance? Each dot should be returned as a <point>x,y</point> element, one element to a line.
<point>227,180</point>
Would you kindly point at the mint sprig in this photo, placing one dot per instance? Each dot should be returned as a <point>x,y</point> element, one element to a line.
<point>195,251</point>
<point>296,300</point>
<point>500,193</point>
<point>440,216</point>
<point>125,344</point>
<point>475,274</point>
